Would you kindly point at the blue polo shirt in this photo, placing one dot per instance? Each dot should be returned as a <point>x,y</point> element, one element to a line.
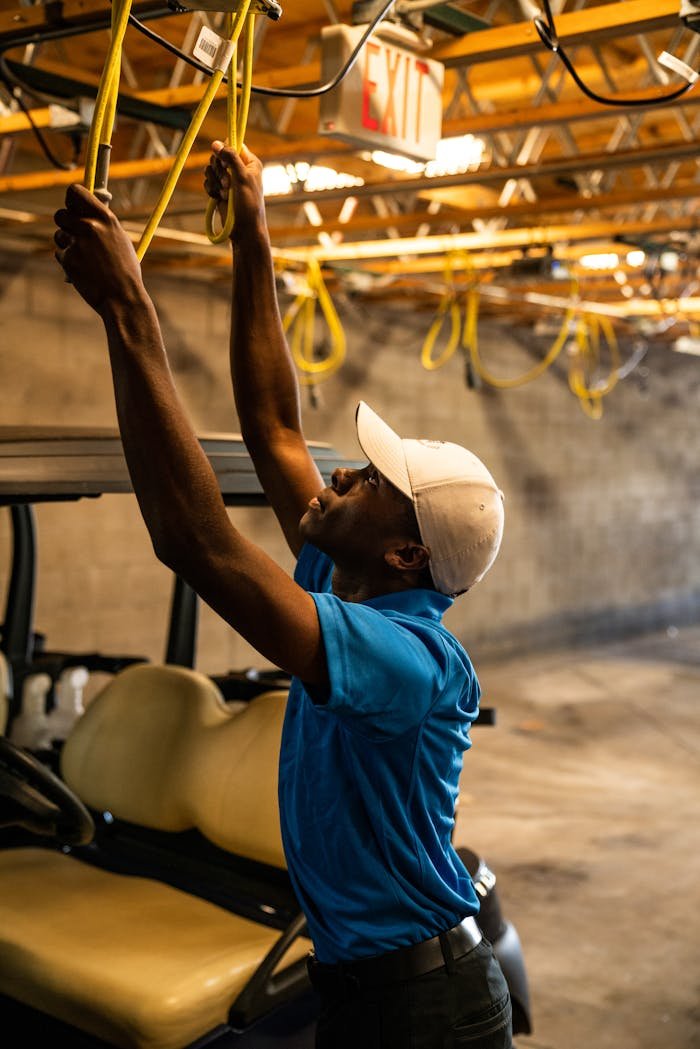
<point>369,772</point>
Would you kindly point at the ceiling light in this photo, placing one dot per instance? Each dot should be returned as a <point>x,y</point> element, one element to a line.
<point>456,155</point>
<point>687,344</point>
<point>635,258</point>
<point>453,156</point>
<point>276,180</point>
<point>279,179</point>
<point>320,178</point>
<point>668,260</point>
<point>605,260</point>
<point>396,162</point>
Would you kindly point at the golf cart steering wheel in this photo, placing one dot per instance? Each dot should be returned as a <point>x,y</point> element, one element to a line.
<point>32,797</point>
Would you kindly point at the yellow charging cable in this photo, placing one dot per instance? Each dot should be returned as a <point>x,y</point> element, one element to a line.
<point>300,323</point>
<point>449,307</point>
<point>539,368</point>
<point>102,126</point>
<point>98,148</point>
<point>238,23</point>
<point>585,361</point>
<point>237,120</point>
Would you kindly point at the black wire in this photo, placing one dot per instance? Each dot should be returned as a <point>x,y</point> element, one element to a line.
<point>15,88</point>
<point>548,36</point>
<point>275,92</point>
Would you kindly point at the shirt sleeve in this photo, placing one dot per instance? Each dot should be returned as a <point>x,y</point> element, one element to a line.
<point>385,672</point>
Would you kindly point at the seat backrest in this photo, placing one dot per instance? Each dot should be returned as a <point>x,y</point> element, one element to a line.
<point>158,746</point>
<point>4,693</point>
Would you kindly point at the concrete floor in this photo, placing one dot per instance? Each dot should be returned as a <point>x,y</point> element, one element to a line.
<point>583,798</point>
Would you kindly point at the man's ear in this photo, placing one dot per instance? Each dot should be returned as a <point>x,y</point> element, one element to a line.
<point>411,557</point>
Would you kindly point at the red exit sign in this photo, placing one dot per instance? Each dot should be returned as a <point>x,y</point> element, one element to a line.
<point>390,100</point>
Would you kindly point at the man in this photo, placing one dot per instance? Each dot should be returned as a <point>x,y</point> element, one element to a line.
<point>382,694</point>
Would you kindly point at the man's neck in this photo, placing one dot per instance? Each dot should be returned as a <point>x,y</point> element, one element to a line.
<point>351,586</point>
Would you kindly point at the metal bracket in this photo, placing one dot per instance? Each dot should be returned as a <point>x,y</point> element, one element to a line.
<point>270,8</point>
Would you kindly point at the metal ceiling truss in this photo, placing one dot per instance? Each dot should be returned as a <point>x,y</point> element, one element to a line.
<point>594,169</point>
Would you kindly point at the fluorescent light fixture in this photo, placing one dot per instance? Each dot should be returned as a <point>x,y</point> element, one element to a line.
<point>453,156</point>
<point>604,260</point>
<point>687,344</point>
<point>635,258</point>
<point>456,155</point>
<point>396,162</point>
<point>668,260</point>
<point>280,179</point>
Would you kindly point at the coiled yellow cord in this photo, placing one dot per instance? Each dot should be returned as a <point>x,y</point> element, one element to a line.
<point>300,320</point>
<point>106,105</point>
<point>102,124</point>
<point>238,23</point>
<point>237,118</point>
<point>541,366</point>
<point>449,306</point>
<point>586,359</point>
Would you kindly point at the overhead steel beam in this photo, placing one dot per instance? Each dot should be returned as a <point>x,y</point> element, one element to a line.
<point>63,18</point>
<point>575,27</point>
<point>535,236</point>
<point>517,119</point>
<point>547,169</point>
<point>455,216</point>
<point>128,105</point>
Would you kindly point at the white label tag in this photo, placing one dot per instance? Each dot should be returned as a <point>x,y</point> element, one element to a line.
<point>212,50</point>
<point>678,66</point>
<point>59,116</point>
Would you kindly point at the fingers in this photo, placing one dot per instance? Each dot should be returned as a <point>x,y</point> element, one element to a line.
<point>226,156</point>
<point>217,182</point>
<point>247,155</point>
<point>82,202</point>
<point>62,239</point>
<point>70,222</point>
<point>81,210</point>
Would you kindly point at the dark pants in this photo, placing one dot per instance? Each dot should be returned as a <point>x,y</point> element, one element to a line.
<point>465,1003</point>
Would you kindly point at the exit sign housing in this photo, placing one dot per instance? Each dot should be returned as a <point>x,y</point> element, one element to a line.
<point>391,99</point>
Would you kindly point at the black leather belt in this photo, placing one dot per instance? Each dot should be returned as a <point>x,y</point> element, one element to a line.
<point>405,963</point>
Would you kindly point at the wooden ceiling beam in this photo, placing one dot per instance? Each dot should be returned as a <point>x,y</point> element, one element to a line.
<point>456,216</point>
<point>65,18</point>
<point>153,166</point>
<point>534,236</point>
<point>590,25</point>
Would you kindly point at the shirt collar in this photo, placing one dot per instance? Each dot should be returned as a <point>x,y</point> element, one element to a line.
<point>427,603</point>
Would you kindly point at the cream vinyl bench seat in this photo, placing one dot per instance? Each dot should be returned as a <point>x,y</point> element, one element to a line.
<point>128,957</point>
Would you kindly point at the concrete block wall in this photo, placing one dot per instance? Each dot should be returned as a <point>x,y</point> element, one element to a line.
<point>602,517</point>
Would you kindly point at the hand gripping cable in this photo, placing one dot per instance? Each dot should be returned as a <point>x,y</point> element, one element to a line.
<point>225,60</point>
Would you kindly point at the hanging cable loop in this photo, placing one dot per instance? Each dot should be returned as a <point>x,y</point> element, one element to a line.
<point>541,366</point>
<point>449,307</point>
<point>99,140</point>
<point>585,362</point>
<point>300,323</point>
<point>237,111</point>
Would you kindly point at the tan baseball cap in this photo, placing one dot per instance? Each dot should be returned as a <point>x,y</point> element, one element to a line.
<point>459,506</point>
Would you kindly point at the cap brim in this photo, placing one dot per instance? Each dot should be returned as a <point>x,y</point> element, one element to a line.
<point>383,448</point>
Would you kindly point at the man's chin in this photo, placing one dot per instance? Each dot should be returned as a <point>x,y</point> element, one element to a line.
<point>308,525</point>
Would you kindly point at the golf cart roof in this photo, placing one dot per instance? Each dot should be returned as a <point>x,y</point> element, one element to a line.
<point>44,464</point>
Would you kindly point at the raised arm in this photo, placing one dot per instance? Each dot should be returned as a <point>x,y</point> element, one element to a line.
<point>173,480</point>
<point>265,385</point>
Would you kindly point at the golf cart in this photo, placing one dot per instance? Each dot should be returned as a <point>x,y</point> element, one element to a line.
<point>144,897</point>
